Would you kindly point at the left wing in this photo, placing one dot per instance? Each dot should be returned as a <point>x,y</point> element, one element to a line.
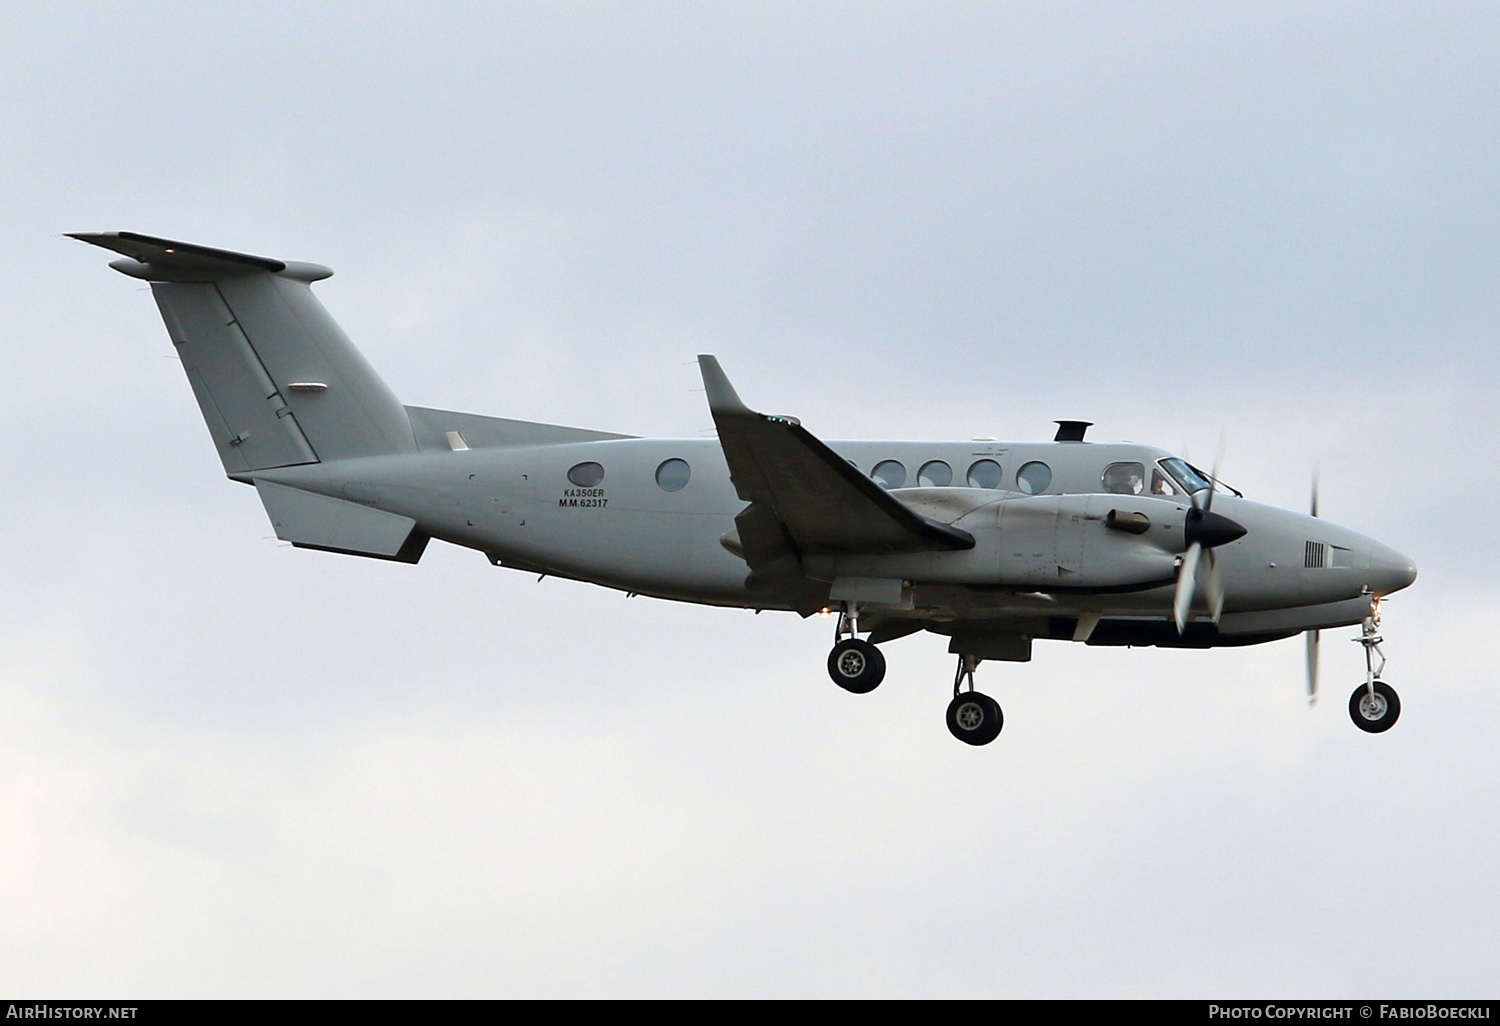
<point>822,503</point>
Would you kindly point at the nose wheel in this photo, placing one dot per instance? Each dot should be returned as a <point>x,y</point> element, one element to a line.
<point>973,718</point>
<point>1374,707</point>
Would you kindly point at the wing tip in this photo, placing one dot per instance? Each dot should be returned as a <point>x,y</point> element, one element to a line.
<point>722,398</point>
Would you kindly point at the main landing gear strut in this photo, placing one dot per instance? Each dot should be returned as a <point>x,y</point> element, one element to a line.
<point>1374,706</point>
<point>856,665</point>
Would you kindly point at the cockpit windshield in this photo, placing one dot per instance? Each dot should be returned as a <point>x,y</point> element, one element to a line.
<point>1190,480</point>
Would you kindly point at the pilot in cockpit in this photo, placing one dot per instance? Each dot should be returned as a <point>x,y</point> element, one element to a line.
<point>1124,478</point>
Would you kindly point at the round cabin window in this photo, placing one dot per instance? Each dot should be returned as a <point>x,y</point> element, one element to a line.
<point>889,474</point>
<point>586,475</point>
<point>1034,478</point>
<point>935,474</point>
<point>672,475</point>
<point>985,474</point>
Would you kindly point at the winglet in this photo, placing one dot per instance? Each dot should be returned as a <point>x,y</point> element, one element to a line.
<point>722,397</point>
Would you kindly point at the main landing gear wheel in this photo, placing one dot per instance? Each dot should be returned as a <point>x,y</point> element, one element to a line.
<point>856,665</point>
<point>1374,713</point>
<point>974,719</point>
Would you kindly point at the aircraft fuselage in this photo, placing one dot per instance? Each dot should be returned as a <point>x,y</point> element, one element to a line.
<point>1041,557</point>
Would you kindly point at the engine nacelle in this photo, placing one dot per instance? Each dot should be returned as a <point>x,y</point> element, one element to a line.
<point>1094,542</point>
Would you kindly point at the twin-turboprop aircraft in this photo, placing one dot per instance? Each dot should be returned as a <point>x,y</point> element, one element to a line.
<point>993,545</point>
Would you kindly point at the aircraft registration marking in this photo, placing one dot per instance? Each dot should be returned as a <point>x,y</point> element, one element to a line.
<point>584,497</point>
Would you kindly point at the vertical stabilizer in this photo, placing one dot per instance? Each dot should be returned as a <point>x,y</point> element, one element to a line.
<point>278,381</point>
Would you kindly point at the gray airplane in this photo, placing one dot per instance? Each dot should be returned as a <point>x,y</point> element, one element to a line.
<point>991,544</point>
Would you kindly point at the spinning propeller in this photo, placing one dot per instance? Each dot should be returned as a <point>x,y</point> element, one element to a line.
<point>1311,637</point>
<point>1205,531</point>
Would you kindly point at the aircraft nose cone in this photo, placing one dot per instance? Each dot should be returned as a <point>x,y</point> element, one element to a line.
<point>1211,529</point>
<point>1389,570</point>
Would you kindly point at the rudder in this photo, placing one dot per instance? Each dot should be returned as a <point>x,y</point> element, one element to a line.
<point>252,425</point>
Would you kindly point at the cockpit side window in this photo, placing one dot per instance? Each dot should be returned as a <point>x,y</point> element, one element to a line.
<point>1125,478</point>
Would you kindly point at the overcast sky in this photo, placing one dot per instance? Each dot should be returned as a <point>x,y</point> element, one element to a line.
<point>228,767</point>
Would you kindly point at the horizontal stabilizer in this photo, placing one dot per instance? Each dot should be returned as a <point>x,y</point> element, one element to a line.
<point>313,521</point>
<point>156,259</point>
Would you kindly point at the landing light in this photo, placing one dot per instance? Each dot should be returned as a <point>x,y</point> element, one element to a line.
<point>823,612</point>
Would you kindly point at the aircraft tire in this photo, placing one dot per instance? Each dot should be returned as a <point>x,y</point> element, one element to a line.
<point>975,719</point>
<point>856,665</point>
<point>1378,716</point>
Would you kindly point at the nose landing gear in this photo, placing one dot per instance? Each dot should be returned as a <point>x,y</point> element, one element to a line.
<point>1374,706</point>
<point>854,664</point>
<point>973,718</point>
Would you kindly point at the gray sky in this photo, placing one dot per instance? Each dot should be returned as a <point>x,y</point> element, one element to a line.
<point>231,768</point>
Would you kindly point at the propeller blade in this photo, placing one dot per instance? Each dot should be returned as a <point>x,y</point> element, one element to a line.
<point>1182,600</point>
<point>1213,475</point>
<point>1204,526</point>
<point>1312,667</point>
<point>1314,504</point>
<point>1213,587</point>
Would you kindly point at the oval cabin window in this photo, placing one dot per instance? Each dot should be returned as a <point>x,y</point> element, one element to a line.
<point>586,475</point>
